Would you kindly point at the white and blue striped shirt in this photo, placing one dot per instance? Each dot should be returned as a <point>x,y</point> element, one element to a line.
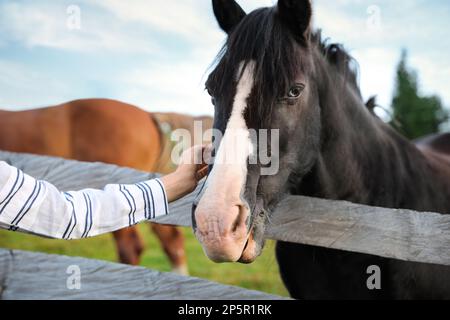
<point>37,207</point>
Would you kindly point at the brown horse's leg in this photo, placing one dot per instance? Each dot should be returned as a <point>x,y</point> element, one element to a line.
<point>129,246</point>
<point>172,241</point>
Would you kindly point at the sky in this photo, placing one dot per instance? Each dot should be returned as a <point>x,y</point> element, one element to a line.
<point>156,53</point>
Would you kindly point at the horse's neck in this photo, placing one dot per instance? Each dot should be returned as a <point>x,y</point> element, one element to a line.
<point>363,160</point>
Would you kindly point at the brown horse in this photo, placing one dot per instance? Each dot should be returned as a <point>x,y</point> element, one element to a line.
<point>98,130</point>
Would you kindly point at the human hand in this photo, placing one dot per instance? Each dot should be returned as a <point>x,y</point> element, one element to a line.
<point>192,168</point>
<point>193,164</point>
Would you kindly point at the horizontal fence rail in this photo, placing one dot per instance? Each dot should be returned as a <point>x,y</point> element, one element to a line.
<point>399,234</point>
<point>25,276</point>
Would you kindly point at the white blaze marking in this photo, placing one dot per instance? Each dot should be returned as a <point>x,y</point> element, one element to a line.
<point>236,146</point>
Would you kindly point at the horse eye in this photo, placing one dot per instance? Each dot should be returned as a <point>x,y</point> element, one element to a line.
<point>295,92</point>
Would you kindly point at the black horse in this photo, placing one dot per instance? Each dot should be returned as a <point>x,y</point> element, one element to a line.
<point>276,73</point>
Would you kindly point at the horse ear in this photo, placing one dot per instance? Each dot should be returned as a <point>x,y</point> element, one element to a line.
<point>297,15</point>
<point>228,13</point>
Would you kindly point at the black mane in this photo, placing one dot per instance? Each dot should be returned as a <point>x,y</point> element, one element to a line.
<point>339,58</point>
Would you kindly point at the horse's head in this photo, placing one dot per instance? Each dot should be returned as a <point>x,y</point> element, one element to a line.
<point>263,80</point>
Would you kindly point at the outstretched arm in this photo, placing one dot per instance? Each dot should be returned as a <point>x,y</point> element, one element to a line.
<point>37,207</point>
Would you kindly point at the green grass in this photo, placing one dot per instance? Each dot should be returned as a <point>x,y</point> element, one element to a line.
<point>262,275</point>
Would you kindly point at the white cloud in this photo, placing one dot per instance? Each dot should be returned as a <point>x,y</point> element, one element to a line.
<point>414,25</point>
<point>44,24</point>
<point>377,73</point>
<point>433,76</point>
<point>179,39</point>
<point>177,87</point>
<point>188,18</point>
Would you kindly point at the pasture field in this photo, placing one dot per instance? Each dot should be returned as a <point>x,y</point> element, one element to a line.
<point>263,275</point>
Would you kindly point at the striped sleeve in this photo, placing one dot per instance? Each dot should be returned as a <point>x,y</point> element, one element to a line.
<point>37,207</point>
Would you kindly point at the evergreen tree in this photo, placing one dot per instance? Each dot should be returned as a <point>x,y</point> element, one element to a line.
<point>416,116</point>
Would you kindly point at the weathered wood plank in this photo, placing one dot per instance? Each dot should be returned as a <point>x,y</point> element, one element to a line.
<point>39,276</point>
<point>399,234</point>
<point>69,175</point>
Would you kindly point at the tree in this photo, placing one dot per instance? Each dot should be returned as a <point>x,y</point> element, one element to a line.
<point>415,115</point>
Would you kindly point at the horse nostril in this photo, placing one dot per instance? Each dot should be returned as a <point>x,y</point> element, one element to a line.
<point>240,220</point>
<point>235,225</point>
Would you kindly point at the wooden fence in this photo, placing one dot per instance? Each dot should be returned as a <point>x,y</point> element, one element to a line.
<point>400,234</point>
<point>25,276</point>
